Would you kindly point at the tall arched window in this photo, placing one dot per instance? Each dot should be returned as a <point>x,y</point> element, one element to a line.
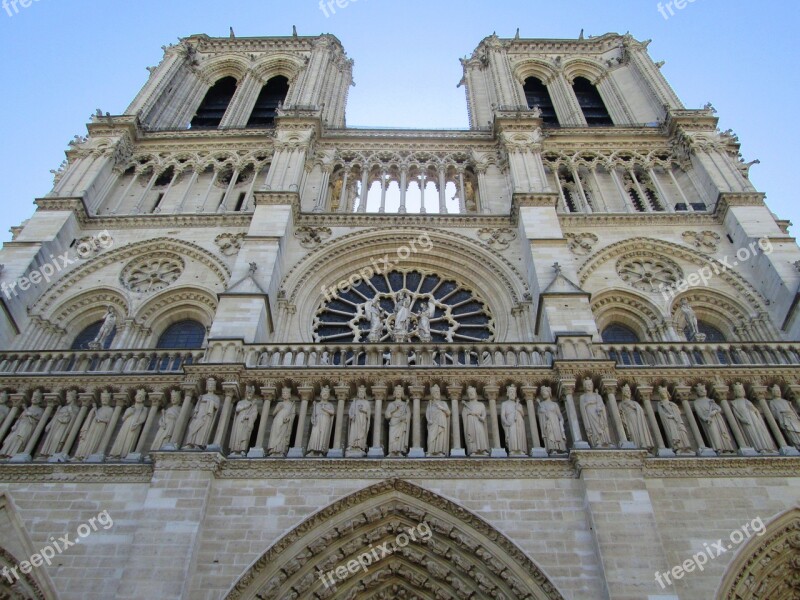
<point>82,340</point>
<point>214,105</point>
<point>712,333</point>
<point>536,94</point>
<point>272,94</point>
<point>184,335</point>
<point>592,105</point>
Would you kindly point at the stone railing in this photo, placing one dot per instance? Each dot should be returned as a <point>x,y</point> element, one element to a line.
<point>387,355</point>
<point>681,354</point>
<point>101,361</point>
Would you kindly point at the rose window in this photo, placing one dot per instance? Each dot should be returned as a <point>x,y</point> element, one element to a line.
<point>151,274</point>
<point>410,306</point>
<point>649,274</point>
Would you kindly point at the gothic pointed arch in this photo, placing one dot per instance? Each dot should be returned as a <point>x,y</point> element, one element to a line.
<point>767,567</point>
<point>78,312</point>
<point>463,557</point>
<point>175,305</point>
<point>76,282</point>
<point>474,267</point>
<point>644,247</point>
<point>722,311</point>
<point>629,309</point>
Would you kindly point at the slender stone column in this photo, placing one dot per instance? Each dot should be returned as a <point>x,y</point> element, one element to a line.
<point>382,208</point>
<point>343,198</point>
<point>417,451</point>
<point>376,451</point>
<point>319,206</point>
<point>610,387</point>
<point>529,393</point>
<point>422,183</point>
<point>156,402</point>
<point>120,401</point>
<point>230,389</point>
<point>342,391</point>
<point>268,392</point>
<point>760,392</point>
<point>86,399</point>
<point>566,389</point>
<point>462,192</point>
<point>362,206</point>
<point>183,418</point>
<point>454,391</point>
<point>27,455</point>
<point>306,392</point>
<point>403,190</point>
<point>442,193</point>
<point>491,392</point>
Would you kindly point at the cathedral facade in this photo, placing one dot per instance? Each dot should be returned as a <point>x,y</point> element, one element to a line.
<point>249,352</point>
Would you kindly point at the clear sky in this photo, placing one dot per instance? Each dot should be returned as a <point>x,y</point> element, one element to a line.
<point>62,59</point>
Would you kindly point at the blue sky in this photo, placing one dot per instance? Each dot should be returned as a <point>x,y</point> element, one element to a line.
<point>62,59</point>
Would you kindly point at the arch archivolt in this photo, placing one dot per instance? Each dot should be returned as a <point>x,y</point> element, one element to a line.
<point>724,280</point>
<point>462,557</point>
<point>478,268</point>
<point>225,65</point>
<point>533,67</point>
<point>629,309</point>
<point>273,65</point>
<point>175,305</point>
<point>82,295</point>
<point>767,567</point>
<point>583,67</point>
<point>715,308</point>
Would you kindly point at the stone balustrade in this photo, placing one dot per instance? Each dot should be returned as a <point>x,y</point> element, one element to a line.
<point>685,354</point>
<point>100,361</point>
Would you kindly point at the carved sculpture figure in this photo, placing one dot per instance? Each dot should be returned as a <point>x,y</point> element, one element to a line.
<point>246,414</point>
<point>594,415</point>
<point>375,314</point>
<point>106,330</point>
<point>59,426</point>
<point>785,416</point>
<point>4,409</point>
<point>634,420</point>
<point>23,429</point>
<point>203,417</point>
<point>690,318</point>
<point>94,428</point>
<point>132,421</point>
<point>167,421</point>
<point>399,417</point>
<point>672,420</point>
<point>713,420</point>
<point>281,429</point>
<point>512,415</point>
<point>427,311</point>
<point>750,420</point>
<point>321,424</point>
<point>474,417</point>
<point>438,416</point>
<point>359,414</point>
<point>402,318</point>
<point>551,423</point>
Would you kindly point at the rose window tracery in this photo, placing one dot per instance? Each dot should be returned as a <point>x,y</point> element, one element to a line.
<point>403,306</point>
<point>152,273</point>
<point>649,274</point>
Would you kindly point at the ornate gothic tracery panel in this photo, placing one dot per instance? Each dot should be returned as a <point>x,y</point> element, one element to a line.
<point>404,306</point>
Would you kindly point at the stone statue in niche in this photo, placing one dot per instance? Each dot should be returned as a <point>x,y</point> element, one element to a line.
<point>713,420</point>
<point>360,414</point>
<point>752,423</point>
<point>133,419</point>
<point>551,422</point>
<point>283,419</point>
<point>106,330</point>
<point>785,416</point>
<point>595,419</point>
<point>244,420</point>
<point>203,417</point>
<point>634,420</point>
<point>690,319</point>
<point>166,423</point>
<point>438,417</point>
<point>474,417</point>
<point>94,428</point>
<point>321,424</point>
<point>402,318</point>
<point>512,415</point>
<point>399,416</point>
<point>672,421</point>
<point>59,426</point>
<point>427,310</point>
<point>24,427</point>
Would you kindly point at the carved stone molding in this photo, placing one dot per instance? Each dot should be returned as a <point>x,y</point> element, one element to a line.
<point>581,244</point>
<point>229,243</point>
<point>75,473</point>
<point>498,239</point>
<point>705,241</point>
<point>312,237</point>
